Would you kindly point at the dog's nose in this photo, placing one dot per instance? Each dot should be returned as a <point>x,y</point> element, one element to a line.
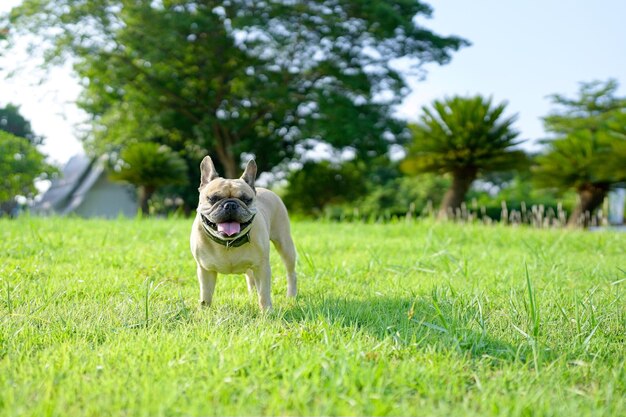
<point>230,206</point>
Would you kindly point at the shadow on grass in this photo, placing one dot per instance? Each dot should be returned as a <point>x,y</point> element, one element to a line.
<point>439,321</point>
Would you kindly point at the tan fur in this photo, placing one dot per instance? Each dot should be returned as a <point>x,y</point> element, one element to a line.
<point>270,224</point>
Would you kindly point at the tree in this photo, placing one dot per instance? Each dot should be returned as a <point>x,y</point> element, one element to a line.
<point>588,152</point>
<point>234,77</point>
<point>20,164</point>
<point>463,137</point>
<point>13,122</point>
<point>149,166</point>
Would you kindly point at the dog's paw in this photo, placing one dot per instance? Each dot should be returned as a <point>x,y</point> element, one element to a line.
<point>266,309</point>
<point>205,304</point>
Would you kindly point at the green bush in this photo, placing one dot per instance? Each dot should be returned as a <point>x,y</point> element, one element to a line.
<point>394,198</point>
<point>320,184</point>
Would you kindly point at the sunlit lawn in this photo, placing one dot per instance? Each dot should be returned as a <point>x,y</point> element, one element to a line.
<point>101,318</point>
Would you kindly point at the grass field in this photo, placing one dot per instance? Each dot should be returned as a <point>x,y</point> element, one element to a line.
<point>101,318</point>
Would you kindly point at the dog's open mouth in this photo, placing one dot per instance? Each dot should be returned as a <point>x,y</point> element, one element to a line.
<point>226,229</point>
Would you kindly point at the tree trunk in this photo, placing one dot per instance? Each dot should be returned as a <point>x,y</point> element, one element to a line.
<point>225,153</point>
<point>229,163</point>
<point>145,192</point>
<point>591,196</point>
<point>461,182</point>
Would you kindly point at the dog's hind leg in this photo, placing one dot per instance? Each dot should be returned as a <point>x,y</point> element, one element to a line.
<point>287,251</point>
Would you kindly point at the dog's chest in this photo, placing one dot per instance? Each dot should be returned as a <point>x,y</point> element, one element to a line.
<point>228,260</point>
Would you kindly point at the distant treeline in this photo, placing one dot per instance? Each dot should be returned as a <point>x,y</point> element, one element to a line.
<point>306,88</point>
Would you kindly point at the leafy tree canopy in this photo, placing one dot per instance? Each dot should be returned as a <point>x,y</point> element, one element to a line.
<point>597,108</point>
<point>581,158</point>
<point>589,146</point>
<point>464,134</point>
<point>239,76</point>
<point>13,122</point>
<point>149,166</point>
<point>20,164</point>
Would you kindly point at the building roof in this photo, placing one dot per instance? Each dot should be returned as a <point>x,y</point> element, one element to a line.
<point>67,192</point>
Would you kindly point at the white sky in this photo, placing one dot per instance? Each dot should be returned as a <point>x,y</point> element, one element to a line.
<point>521,52</point>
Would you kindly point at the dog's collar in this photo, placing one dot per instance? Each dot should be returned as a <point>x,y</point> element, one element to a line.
<point>235,243</point>
<point>230,243</point>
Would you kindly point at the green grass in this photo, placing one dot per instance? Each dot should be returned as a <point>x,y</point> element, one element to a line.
<point>101,318</point>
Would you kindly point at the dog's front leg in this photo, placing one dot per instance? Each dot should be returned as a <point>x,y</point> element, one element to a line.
<point>263,282</point>
<point>250,281</point>
<point>207,281</point>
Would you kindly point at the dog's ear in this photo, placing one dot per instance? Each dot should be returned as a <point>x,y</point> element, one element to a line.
<point>207,171</point>
<point>249,175</point>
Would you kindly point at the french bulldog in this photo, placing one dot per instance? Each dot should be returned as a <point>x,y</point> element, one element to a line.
<point>231,233</point>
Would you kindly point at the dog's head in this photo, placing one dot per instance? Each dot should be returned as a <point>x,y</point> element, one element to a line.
<point>227,206</point>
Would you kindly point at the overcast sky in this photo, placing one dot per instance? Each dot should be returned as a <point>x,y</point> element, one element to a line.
<point>521,52</point>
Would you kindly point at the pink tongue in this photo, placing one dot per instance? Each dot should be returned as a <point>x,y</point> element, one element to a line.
<point>229,229</point>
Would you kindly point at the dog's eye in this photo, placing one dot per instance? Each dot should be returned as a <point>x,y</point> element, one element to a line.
<point>246,200</point>
<point>213,199</point>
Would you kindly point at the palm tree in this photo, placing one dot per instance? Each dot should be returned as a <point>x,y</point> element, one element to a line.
<point>580,161</point>
<point>463,137</point>
<point>589,151</point>
<point>149,166</point>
